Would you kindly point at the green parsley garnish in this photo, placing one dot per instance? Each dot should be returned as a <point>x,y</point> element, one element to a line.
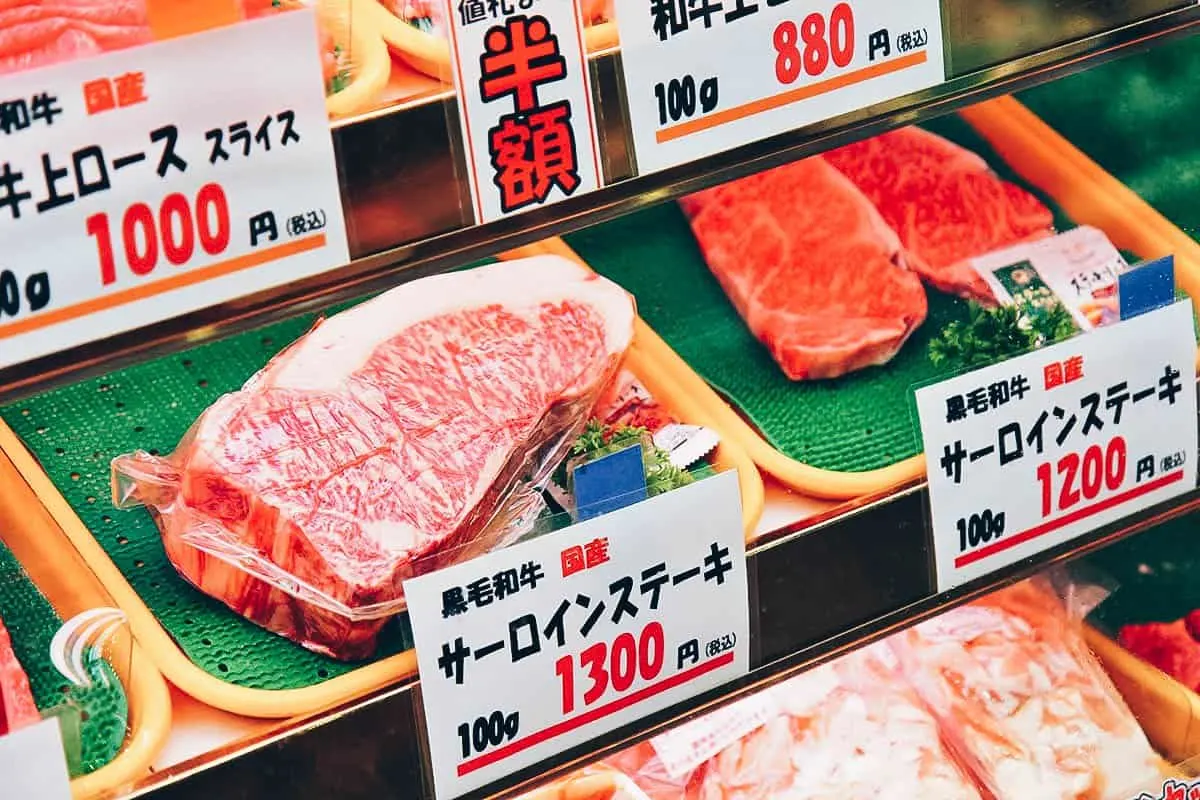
<point>990,335</point>
<point>662,476</point>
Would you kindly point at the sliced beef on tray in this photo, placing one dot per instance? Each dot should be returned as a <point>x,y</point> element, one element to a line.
<point>385,441</point>
<point>851,730</point>
<point>17,708</point>
<point>34,33</point>
<point>1024,700</point>
<point>811,267</point>
<point>944,202</point>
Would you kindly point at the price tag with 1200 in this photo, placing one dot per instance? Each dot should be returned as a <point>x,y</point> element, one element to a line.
<point>531,650</point>
<point>1040,449</point>
<point>142,184</point>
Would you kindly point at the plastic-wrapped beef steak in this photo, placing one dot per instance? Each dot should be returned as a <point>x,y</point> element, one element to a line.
<point>385,443</point>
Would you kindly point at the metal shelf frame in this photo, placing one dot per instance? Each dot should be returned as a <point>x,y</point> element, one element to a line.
<point>817,590</point>
<point>408,210</point>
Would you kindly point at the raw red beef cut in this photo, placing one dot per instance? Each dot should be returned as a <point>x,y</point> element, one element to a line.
<point>944,202</point>
<point>17,708</point>
<point>37,33</point>
<point>1170,646</point>
<point>812,268</point>
<point>382,444</point>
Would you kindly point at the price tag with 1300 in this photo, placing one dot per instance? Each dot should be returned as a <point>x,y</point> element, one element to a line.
<point>530,650</point>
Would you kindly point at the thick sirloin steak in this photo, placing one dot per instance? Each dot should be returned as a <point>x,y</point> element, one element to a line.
<point>944,202</point>
<point>811,267</point>
<point>380,445</point>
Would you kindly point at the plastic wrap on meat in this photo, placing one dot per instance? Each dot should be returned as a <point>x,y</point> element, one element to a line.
<point>811,267</point>
<point>1024,701</point>
<point>851,730</point>
<point>17,708</point>
<point>385,443</point>
<point>944,202</point>
<point>847,731</point>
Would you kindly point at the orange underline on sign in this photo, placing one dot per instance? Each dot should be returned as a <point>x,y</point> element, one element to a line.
<point>133,294</point>
<point>791,96</point>
<point>567,725</point>
<point>1063,521</point>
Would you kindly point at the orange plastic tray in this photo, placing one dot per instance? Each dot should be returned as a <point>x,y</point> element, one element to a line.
<point>70,587</point>
<point>1087,193</point>
<point>1168,711</point>
<point>193,680</point>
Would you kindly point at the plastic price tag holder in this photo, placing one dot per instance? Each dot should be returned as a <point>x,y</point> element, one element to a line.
<point>93,651</point>
<point>1146,287</point>
<point>609,482</point>
<point>32,763</point>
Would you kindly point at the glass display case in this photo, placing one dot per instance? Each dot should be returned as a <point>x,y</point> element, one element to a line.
<point>224,474</point>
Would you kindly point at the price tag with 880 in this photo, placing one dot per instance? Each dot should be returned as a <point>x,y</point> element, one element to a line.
<point>1035,451</point>
<point>145,183</point>
<point>530,650</point>
<point>703,76</point>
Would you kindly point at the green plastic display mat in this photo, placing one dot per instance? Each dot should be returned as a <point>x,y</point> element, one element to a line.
<point>76,431</point>
<point>73,433</point>
<point>101,709</point>
<point>1134,116</point>
<point>859,422</point>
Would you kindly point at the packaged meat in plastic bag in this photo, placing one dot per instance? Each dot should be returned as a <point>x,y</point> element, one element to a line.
<point>596,782</point>
<point>1023,701</point>
<point>847,730</point>
<point>389,441</point>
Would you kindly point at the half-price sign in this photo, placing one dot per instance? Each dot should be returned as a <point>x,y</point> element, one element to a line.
<point>525,103</point>
<point>142,184</point>
<point>530,650</point>
<point>1037,450</point>
<point>703,76</point>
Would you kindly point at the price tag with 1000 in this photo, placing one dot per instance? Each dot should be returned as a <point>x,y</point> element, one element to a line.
<point>134,186</point>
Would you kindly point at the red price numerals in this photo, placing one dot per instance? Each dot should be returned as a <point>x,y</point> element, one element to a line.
<point>1082,477</point>
<point>173,231</point>
<point>618,665</point>
<point>815,43</point>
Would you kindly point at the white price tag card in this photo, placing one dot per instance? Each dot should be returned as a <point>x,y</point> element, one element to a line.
<point>684,748</point>
<point>703,76</point>
<point>1035,451</point>
<point>142,184</point>
<point>525,103</point>
<point>32,764</point>
<point>530,650</point>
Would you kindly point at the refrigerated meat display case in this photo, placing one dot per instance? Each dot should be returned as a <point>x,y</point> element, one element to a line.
<point>207,511</point>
